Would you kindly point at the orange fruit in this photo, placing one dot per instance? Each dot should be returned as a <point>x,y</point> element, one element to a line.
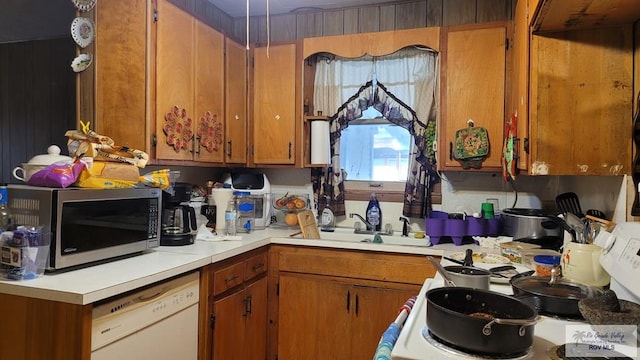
<point>291,219</point>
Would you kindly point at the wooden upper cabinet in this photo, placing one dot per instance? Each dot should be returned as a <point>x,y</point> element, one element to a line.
<point>472,87</point>
<point>189,86</point>
<point>236,122</point>
<point>581,102</point>
<point>120,66</point>
<point>277,117</point>
<point>174,81</point>
<point>209,94</point>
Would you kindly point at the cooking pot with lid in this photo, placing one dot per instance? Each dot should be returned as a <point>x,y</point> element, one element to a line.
<point>535,226</point>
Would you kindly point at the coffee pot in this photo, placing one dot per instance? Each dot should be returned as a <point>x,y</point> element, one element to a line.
<point>178,225</point>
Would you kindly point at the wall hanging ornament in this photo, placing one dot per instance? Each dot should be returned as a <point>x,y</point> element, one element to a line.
<point>471,146</point>
<point>210,132</point>
<point>178,128</point>
<point>82,31</point>
<point>84,5</point>
<point>81,62</point>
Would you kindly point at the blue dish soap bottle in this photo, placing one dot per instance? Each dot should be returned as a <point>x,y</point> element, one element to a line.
<point>374,214</point>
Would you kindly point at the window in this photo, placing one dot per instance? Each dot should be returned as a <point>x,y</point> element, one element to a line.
<point>375,150</point>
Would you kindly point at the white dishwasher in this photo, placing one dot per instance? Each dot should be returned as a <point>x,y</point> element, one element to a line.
<point>159,322</point>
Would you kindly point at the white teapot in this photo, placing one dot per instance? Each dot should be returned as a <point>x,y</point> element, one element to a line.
<point>39,162</point>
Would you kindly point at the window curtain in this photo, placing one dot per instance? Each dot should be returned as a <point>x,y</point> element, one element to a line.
<point>402,86</point>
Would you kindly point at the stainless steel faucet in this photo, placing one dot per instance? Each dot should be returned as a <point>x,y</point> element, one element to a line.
<point>370,227</point>
<point>405,225</point>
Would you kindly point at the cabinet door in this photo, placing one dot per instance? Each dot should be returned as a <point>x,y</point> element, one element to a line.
<point>474,88</point>
<point>256,321</point>
<point>209,93</point>
<point>121,71</point>
<point>581,102</point>
<point>314,319</point>
<point>174,77</point>
<point>376,308</point>
<point>229,332</point>
<point>274,101</point>
<point>236,103</point>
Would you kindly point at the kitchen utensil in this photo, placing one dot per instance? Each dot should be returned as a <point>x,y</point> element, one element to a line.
<point>609,310</point>
<point>468,276</point>
<point>581,263</point>
<point>552,294</point>
<point>596,213</point>
<point>308,225</point>
<point>440,269</point>
<point>569,203</point>
<point>481,258</point>
<point>480,321</point>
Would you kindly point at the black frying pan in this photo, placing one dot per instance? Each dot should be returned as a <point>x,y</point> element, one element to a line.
<point>480,321</point>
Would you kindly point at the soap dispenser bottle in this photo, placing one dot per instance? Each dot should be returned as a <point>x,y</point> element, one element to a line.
<point>374,214</point>
<point>327,218</point>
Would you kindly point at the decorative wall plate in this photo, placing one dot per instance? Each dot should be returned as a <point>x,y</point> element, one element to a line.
<point>210,132</point>
<point>81,62</point>
<point>84,5</point>
<point>178,128</point>
<point>82,31</point>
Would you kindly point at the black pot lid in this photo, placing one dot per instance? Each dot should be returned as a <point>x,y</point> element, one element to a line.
<point>539,285</point>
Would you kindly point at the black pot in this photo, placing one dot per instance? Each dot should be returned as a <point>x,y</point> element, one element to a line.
<point>454,315</point>
<point>559,297</point>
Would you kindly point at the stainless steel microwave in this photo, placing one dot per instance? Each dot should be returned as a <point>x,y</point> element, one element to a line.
<point>89,225</point>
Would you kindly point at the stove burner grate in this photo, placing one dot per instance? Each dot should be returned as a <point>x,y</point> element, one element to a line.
<point>458,351</point>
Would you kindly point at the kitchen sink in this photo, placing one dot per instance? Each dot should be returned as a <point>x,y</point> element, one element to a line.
<point>344,234</point>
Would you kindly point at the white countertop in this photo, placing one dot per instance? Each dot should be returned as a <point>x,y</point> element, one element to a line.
<point>98,282</point>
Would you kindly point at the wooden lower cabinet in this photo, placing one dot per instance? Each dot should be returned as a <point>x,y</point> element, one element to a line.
<point>334,318</point>
<point>240,325</point>
<point>336,303</point>
<point>234,321</point>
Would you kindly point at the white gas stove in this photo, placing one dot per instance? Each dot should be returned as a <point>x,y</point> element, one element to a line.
<point>621,259</point>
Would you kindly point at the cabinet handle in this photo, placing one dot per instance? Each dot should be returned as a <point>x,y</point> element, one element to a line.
<point>357,303</point>
<point>249,304</point>
<point>258,266</point>
<point>245,302</point>
<point>199,145</point>
<point>348,300</point>
<point>290,145</point>
<point>231,278</point>
<point>229,149</point>
<point>450,150</point>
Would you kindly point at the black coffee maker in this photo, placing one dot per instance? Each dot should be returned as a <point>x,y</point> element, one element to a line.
<point>178,221</point>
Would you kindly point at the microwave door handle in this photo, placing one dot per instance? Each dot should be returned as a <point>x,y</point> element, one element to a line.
<point>192,217</point>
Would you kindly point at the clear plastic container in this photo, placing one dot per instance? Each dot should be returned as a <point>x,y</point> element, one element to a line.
<point>230,218</point>
<point>246,206</point>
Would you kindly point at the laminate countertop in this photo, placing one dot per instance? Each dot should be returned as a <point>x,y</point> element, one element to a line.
<point>98,282</point>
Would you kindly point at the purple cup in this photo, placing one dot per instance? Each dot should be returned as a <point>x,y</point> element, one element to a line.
<point>494,227</point>
<point>477,226</point>
<point>456,228</point>
<point>435,229</point>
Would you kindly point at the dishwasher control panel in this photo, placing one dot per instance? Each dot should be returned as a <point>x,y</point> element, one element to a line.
<point>127,314</point>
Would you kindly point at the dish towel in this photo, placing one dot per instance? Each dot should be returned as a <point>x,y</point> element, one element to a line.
<point>390,336</point>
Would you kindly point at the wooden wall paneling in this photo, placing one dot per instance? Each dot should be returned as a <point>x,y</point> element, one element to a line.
<point>306,25</point>
<point>369,19</point>
<point>238,30</point>
<point>86,82</point>
<point>186,5</point>
<point>283,27</point>
<point>258,30</point>
<point>351,21</point>
<point>387,18</point>
<point>37,100</point>
<point>493,10</point>
<point>456,12</point>
<point>333,23</point>
<point>411,15</point>
<point>434,12</point>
